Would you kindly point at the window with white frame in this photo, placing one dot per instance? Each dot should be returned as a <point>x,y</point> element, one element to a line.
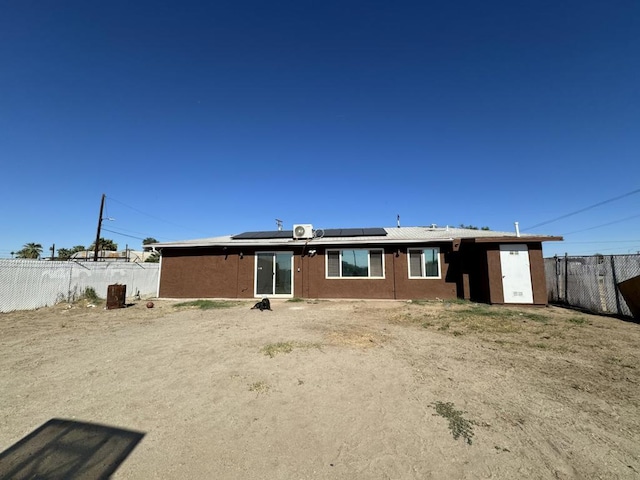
<point>424,262</point>
<point>355,263</point>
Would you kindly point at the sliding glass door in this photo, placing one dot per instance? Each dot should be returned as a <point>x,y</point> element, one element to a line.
<point>274,274</point>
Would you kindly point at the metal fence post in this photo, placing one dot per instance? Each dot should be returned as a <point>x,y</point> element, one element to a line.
<point>557,265</point>
<point>615,285</point>
<point>566,277</point>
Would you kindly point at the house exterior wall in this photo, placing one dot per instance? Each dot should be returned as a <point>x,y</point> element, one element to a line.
<point>538,279</point>
<point>210,273</point>
<point>538,276</point>
<point>474,272</point>
<point>205,273</point>
<point>311,282</point>
<point>444,287</point>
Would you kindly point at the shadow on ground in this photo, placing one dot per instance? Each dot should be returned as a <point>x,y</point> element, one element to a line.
<point>66,449</point>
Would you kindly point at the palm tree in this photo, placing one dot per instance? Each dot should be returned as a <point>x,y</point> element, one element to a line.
<point>104,244</point>
<point>30,250</point>
<point>153,258</point>
<point>64,253</point>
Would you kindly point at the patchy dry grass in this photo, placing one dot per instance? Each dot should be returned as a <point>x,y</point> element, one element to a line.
<point>273,349</point>
<point>259,387</point>
<point>207,304</point>
<point>356,336</point>
<point>506,326</point>
<point>296,300</point>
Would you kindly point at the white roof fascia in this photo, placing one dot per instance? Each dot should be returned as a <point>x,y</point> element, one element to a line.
<point>403,235</point>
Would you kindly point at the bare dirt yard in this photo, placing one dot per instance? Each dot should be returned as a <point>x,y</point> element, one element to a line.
<point>315,390</point>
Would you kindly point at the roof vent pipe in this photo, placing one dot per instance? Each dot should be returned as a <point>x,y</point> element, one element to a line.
<point>398,220</point>
<point>517,225</point>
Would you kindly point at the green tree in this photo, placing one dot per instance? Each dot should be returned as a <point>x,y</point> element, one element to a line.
<point>67,253</point>
<point>64,254</point>
<point>30,250</point>
<point>148,241</point>
<point>473,227</point>
<point>104,244</point>
<point>153,258</point>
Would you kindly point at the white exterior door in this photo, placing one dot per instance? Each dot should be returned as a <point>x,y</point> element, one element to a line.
<point>516,274</point>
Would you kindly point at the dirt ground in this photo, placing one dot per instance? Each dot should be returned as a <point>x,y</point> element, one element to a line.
<point>327,389</point>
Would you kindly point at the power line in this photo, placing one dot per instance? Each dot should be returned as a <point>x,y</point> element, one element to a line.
<point>603,225</point>
<point>123,234</point>
<point>600,250</point>
<point>603,241</point>
<point>153,216</point>
<point>140,233</point>
<point>584,209</point>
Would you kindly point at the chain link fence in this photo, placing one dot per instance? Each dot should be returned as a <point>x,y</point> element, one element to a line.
<point>591,283</point>
<point>30,284</point>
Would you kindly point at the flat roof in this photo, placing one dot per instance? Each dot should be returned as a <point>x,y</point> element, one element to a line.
<point>363,236</point>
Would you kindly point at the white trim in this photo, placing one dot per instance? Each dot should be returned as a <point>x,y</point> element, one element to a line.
<point>423,277</point>
<point>255,275</point>
<point>517,285</point>
<point>159,275</point>
<point>341,277</point>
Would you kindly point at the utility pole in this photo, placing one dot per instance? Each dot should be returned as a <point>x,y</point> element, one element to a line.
<point>53,251</point>
<point>95,255</point>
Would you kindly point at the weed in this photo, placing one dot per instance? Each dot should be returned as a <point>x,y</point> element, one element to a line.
<point>259,387</point>
<point>420,302</point>
<point>295,300</point>
<point>459,426</point>
<point>207,304</point>
<point>503,313</point>
<point>457,301</point>
<point>618,361</point>
<point>274,349</point>
<point>90,295</point>
<point>407,317</point>
<point>577,320</point>
<point>536,317</point>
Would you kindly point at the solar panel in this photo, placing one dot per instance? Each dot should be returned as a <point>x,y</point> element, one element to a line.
<point>355,232</point>
<point>329,232</point>
<point>374,232</point>
<point>264,235</point>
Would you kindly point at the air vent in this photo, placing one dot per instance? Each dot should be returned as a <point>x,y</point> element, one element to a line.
<point>303,231</point>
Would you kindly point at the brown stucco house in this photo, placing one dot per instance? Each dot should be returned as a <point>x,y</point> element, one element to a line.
<point>363,263</point>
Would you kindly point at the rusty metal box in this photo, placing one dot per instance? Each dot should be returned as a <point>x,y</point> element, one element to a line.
<point>116,296</point>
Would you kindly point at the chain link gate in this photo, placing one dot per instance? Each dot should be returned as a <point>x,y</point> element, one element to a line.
<point>591,282</point>
<point>30,284</point>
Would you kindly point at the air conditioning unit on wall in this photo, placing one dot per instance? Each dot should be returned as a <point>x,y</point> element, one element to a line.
<point>303,231</point>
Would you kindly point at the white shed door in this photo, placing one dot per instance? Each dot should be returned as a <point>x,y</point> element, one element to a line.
<point>516,274</point>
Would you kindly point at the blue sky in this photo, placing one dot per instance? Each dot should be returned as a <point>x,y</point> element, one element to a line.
<point>200,119</point>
